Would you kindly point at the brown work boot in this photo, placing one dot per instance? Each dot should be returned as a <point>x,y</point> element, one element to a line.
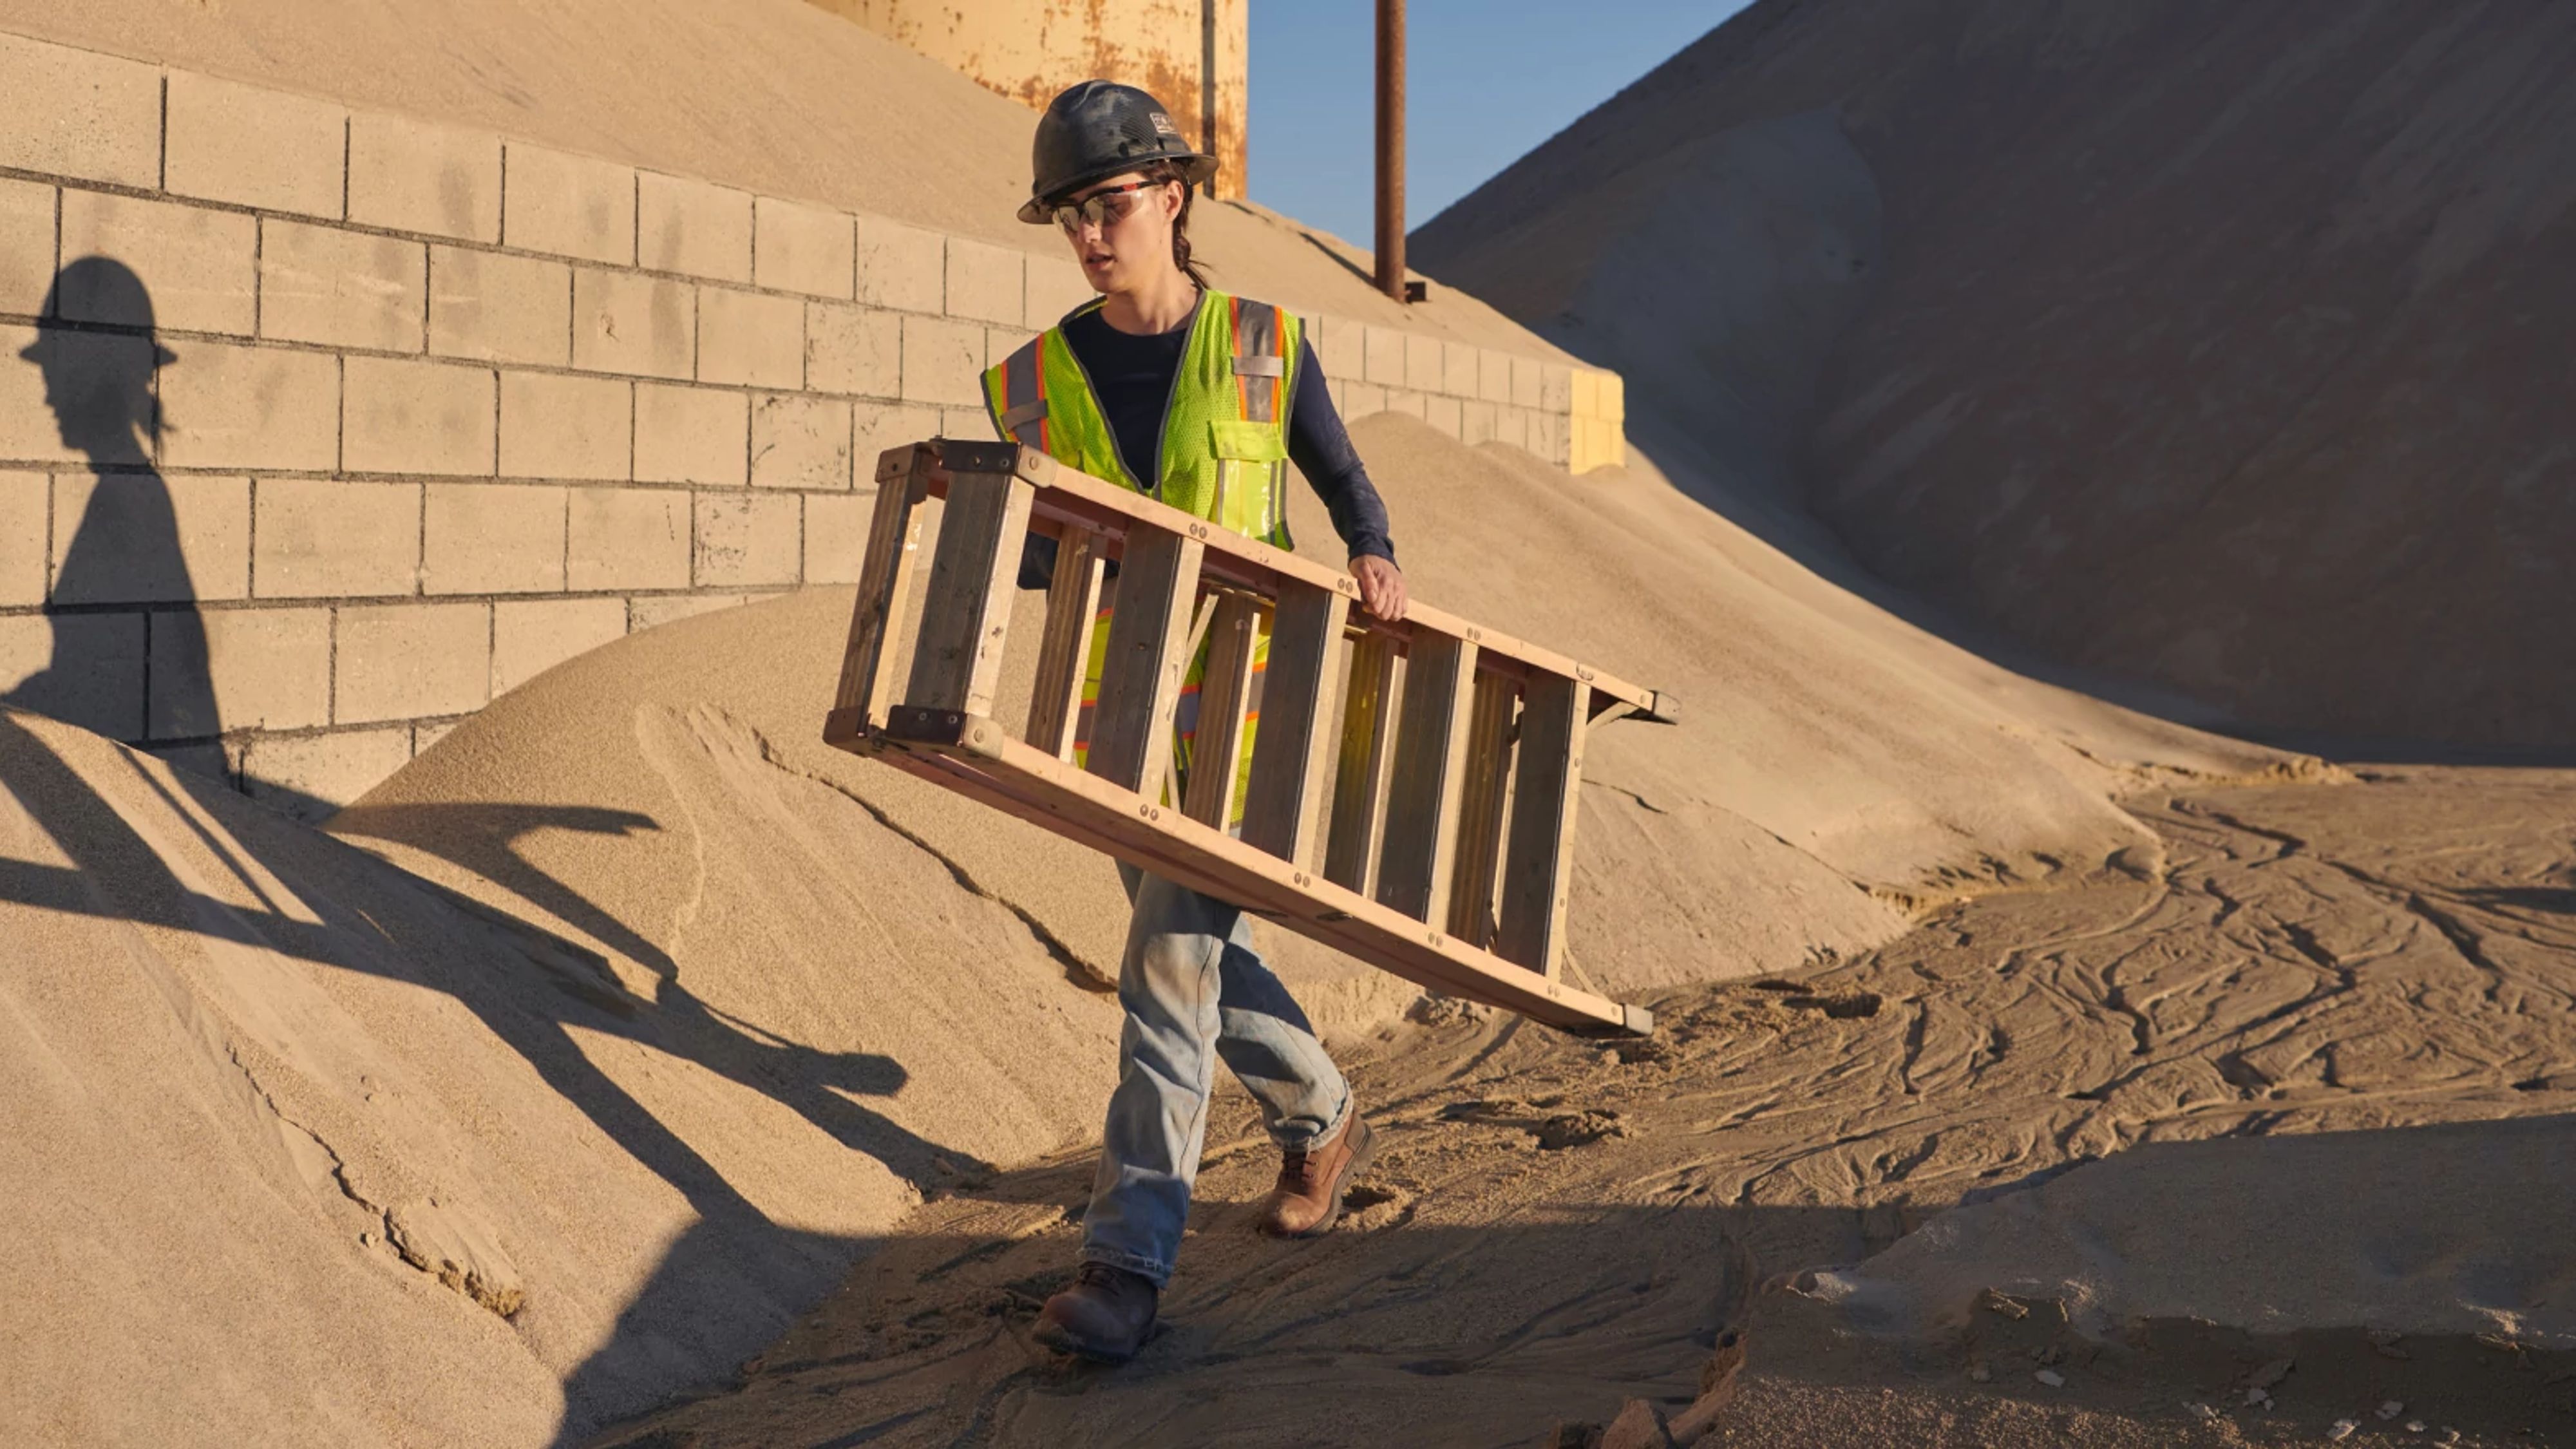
<point>1309,1196</point>
<point>1105,1315</point>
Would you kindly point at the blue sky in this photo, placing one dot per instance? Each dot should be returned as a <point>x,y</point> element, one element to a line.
<point>1489,80</point>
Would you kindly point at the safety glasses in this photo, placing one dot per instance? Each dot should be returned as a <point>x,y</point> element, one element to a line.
<point>1104,208</point>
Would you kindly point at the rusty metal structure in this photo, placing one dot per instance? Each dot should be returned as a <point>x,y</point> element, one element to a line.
<point>1191,54</point>
<point>1390,149</point>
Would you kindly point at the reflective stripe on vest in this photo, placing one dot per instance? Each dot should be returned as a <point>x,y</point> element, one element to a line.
<point>1224,459</point>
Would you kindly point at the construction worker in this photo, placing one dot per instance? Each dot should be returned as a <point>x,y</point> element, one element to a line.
<point>1183,393</point>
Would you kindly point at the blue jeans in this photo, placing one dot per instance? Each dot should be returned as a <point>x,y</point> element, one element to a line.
<point>1195,991</point>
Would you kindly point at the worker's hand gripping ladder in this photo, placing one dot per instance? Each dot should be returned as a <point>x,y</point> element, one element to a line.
<point>1451,757</point>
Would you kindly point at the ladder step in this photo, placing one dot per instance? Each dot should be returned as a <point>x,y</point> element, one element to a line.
<point>1482,790</point>
<point>1297,698</point>
<point>1360,778</point>
<point>1225,692</point>
<point>1064,652</point>
<point>966,608</point>
<point>1430,754</point>
<point>1538,864</point>
<point>1149,624</point>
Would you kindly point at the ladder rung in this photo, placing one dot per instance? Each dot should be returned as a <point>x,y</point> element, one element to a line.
<point>1366,748</point>
<point>1064,652</point>
<point>1430,753</point>
<point>1297,698</point>
<point>966,608</point>
<point>1538,861</point>
<point>1158,578</point>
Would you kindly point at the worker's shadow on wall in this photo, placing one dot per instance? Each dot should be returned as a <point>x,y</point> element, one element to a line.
<point>129,661</point>
<point>129,647</point>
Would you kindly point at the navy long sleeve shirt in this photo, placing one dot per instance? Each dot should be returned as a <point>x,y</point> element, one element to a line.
<point>1132,376</point>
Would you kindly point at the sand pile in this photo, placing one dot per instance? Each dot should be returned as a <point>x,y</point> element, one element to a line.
<point>2289,1110</point>
<point>2190,342</point>
<point>670,1011</point>
<point>306,1150</point>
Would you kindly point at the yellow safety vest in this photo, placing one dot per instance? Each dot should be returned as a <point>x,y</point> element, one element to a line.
<point>1224,459</point>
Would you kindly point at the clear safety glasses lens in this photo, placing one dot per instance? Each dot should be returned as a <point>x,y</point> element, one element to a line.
<point>1101,208</point>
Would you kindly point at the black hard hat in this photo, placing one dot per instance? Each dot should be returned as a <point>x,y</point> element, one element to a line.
<point>1098,129</point>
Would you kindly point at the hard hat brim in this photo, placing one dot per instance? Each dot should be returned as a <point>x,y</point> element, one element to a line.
<point>1197,169</point>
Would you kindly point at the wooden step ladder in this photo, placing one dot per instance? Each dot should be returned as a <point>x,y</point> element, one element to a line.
<point>1453,753</point>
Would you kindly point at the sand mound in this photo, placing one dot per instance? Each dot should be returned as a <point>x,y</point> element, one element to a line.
<point>308,1150</point>
<point>2187,342</point>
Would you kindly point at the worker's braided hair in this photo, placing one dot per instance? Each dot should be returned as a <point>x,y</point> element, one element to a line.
<point>1161,171</point>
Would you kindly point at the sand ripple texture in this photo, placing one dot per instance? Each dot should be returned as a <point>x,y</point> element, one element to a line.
<point>2299,1093</point>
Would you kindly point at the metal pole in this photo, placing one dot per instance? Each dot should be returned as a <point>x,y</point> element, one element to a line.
<point>1390,148</point>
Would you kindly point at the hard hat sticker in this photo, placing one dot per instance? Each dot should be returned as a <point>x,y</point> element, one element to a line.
<point>1163,125</point>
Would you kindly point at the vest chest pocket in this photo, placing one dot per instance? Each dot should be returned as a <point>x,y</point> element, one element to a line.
<point>1250,459</point>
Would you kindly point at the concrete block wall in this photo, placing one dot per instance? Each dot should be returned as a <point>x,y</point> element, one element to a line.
<point>320,429</point>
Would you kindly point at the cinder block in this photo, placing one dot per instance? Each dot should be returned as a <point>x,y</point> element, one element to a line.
<point>1525,382</point>
<point>238,669</point>
<point>1445,413</point>
<point>565,427</point>
<point>627,538</point>
<point>29,425</point>
<point>408,175</point>
<point>853,350</point>
<point>26,245</point>
<point>1001,342</point>
<point>492,538</point>
<point>253,146</point>
<point>1382,355</point>
<point>1341,346</point>
<point>1408,402</point>
<point>943,361</point>
<point>138,538</point>
<point>499,308</point>
<point>309,776</point>
<point>691,435</point>
<point>83,668</point>
<point>1556,388</point>
<point>1493,375</point>
<point>987,283</point>
<point>250,407</point>
<point>799,441</point>
<point>836,534</point>
<point>425,733</point>
<point>800,248</point>
<point>900,266</point>
<point>1422,364</point>
<point>643,614</point>
<point>695,227</point>
<point>877,427</point>
<point>1476,423</point>
<point>750,337</point>
<point>209,759</point>
<point>1586,403</point>
<point>66,112</point>
<point>1511,425</point>
<point>26,508</point>
<point>1547,437</point>
<point>973,425</point>
<point>571,206</point>
<point>1359,399</point>
<point>748,538</point>
<point>198,267</point>
<point>1056,286</point>
<point>405,661</point>
<point>631,323</point>
<point>402,415</point>
<point>531,636</point>
<point>1458,369</point>
<point>319,538</point>
<point>341,288</point>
